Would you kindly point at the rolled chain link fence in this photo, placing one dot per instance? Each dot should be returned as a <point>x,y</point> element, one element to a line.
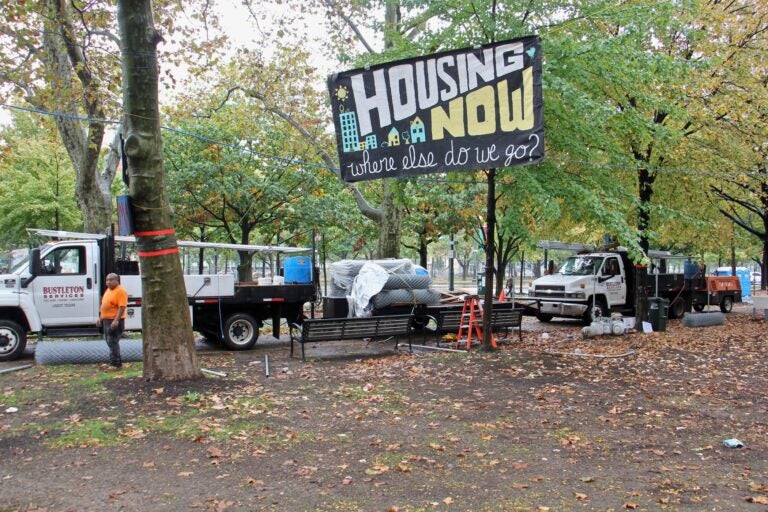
<point>84,352</point>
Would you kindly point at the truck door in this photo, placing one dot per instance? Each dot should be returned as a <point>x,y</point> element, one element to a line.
<point>65,292</point>
<point>612,277</point>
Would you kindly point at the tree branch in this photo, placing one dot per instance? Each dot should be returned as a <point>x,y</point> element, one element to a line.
<point>337,11</point>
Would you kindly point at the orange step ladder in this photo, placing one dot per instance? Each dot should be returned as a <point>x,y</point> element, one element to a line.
<point>471,318</point>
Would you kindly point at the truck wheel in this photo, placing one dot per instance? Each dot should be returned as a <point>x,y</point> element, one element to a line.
<point>698,307</point>
<point>544,317</point>
<point>726,305</point>
<point>240,332</point>
<point>676,309</point>
<point>13,340</point>
<point>595,311</point>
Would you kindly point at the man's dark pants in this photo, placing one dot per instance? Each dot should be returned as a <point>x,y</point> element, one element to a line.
<point>113,340</point>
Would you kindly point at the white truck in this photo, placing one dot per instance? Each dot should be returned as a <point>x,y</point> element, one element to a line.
<point>57,292</point>
<point>595,284</point>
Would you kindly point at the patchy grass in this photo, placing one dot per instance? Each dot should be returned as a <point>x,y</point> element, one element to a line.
<point>85,433</point>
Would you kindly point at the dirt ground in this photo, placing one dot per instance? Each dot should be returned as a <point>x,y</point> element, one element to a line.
<point>554,422</point>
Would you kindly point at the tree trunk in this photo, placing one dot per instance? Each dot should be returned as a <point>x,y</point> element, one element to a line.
<point>245,266</point>
<point>501,270</point>
<point>389,226</point>
<point>65,62</point>
<point>423,252</point>
<point>169,346</point>
<point>245,258</point>
<point>391,215</point>
<point>645,181</point>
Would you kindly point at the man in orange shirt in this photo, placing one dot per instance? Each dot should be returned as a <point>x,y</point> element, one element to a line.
<point>112,317</point>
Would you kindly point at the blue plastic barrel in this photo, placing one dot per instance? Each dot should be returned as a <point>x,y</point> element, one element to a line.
<point>298,269</point>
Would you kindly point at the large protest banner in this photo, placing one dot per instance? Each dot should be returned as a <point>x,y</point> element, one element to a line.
<point>467,109</point>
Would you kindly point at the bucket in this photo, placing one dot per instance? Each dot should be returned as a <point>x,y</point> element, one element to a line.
<point>298,269</point>
<point>278,280</point>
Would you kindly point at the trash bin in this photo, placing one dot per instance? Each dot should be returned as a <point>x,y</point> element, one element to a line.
<point>658,308</point>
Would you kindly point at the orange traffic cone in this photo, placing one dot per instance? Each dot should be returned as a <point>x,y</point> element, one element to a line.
<point>502,296</point>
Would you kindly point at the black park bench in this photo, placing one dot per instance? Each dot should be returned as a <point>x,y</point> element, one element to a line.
<point>448,319</point>
<point>332,329</point>
<point>504,318</point>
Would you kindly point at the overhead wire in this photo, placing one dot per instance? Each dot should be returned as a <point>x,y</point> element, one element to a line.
<point>293,161</point>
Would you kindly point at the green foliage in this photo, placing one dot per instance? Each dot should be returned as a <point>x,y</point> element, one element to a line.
<point>37,182</point>
<point>251,176</point>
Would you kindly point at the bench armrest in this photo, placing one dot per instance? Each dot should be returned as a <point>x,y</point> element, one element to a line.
<point>432,318</point>
<point>294,330</point>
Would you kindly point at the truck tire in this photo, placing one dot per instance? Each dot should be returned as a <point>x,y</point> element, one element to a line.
<point>677,309</point>
<point>698,307</point>
<point>726,304</point>
<point>240,332</point>
<point>544,317</point>
<point>595,310</point>
<point>13,340</point>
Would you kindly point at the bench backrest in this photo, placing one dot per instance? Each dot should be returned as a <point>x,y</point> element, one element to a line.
<point>355,328</point>
<point>506,317</point>
<point>449,320</point>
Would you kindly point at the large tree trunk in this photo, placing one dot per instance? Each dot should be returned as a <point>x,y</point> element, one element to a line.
<point>169,345</point>
<point>645,181</point>
<point>66,63</point>
<point>391,220</point>
<point>245,266</point>
<point>423,252</point>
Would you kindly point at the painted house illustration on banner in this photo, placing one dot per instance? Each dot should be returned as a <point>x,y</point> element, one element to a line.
<point>394,138</point>
<point>418,133</point>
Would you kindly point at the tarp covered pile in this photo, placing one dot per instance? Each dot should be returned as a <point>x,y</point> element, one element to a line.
<point>377,284</point>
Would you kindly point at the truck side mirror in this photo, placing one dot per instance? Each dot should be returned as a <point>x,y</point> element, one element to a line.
<point>35,266</point>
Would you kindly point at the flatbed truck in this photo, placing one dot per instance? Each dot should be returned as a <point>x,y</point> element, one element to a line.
<point>57,292</point>
<point>595,284</point>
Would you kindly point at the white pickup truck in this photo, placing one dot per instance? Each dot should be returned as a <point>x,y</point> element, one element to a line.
<point>57,292</point>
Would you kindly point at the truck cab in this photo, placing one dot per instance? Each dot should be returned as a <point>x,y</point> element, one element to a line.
<point>58,287</point>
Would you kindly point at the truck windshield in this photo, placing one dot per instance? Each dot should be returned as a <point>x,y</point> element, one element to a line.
<point>17,264</point>
<point>580,265</point>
